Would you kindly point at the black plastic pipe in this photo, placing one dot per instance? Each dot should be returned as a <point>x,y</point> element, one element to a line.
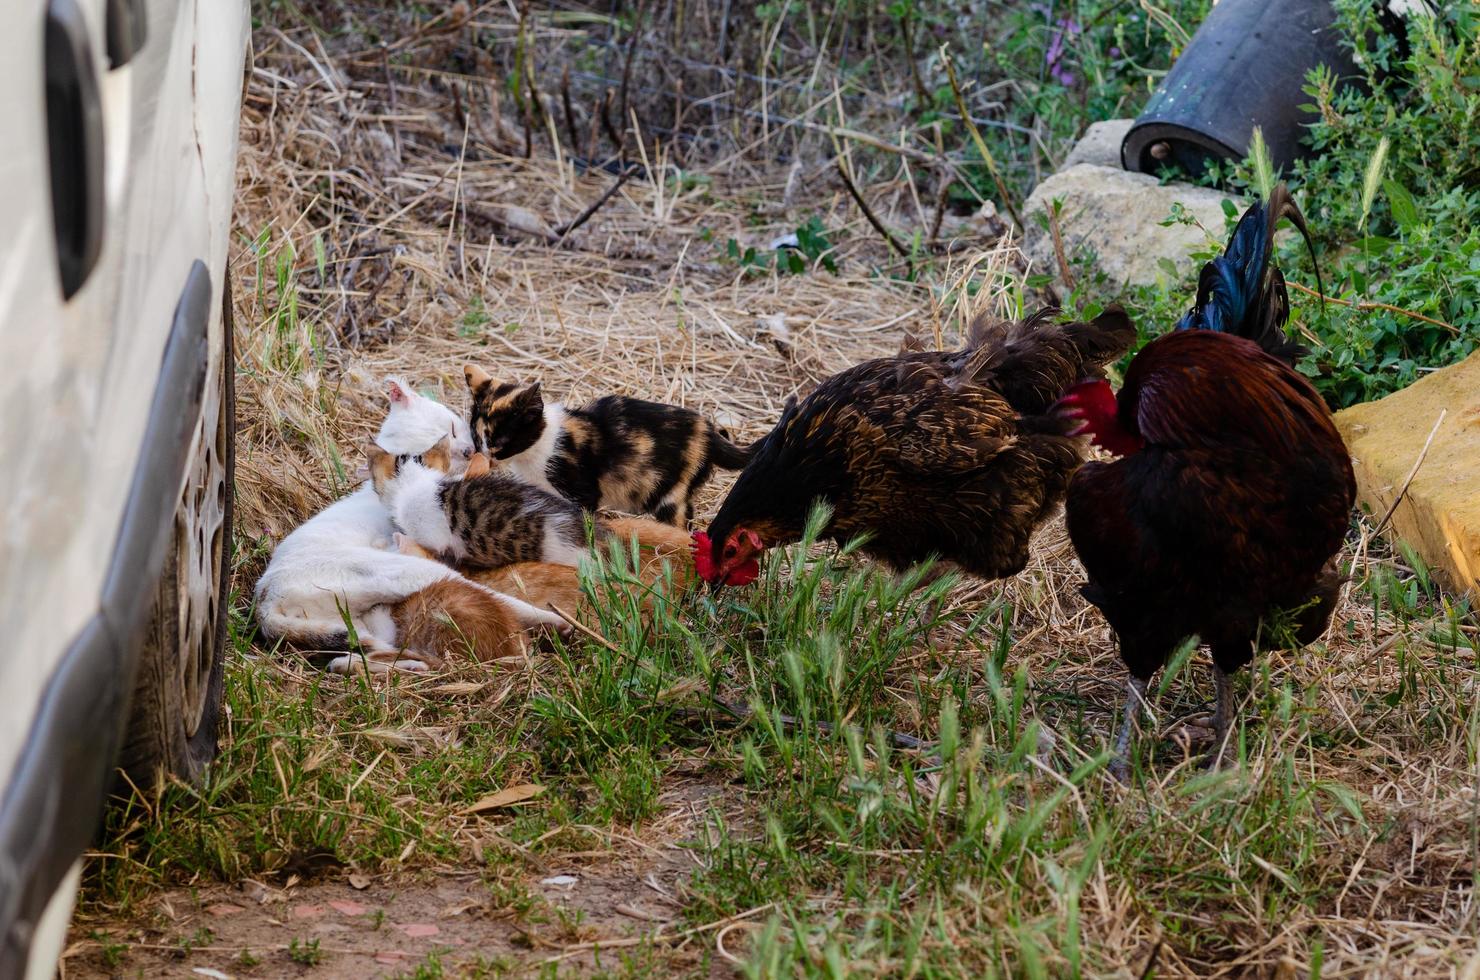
<point>1243,68</point>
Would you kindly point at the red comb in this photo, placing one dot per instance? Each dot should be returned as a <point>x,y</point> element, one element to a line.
<point>703,555</point>
<point>742,574</point>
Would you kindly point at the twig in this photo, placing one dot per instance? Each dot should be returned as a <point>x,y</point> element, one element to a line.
<point>576,624</point>
<point>627,66</point>
<point>868,212</point>
<point>570,116</point>
<point>946,183</point>
<point>1413,472</point>
<point>564,230</point>
<point>618,140</point>
<point>498,221</point>
<point>1058,246</point>
<point>1366,306</point>
<point>390,85</point>
<point>981,144</point>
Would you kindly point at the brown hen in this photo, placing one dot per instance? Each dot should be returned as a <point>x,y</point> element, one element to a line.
<point>953,455</point>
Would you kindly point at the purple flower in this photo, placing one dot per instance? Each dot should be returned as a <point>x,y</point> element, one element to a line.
<point>1053,57</point>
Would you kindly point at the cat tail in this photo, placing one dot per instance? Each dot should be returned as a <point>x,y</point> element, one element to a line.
<point>301,632</point>
<point>725,454</point>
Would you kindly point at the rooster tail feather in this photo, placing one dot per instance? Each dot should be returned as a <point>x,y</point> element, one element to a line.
<point>1240,292</point>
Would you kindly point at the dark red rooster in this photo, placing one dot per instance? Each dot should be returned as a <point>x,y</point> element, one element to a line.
<point>955,455</point>
<point>1233,491</point>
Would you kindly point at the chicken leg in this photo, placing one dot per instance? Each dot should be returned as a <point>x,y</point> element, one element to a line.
<point>1222,716</point>
<point>1135,700</point>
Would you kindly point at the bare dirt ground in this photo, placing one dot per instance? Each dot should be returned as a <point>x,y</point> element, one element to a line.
<point>616,908</point>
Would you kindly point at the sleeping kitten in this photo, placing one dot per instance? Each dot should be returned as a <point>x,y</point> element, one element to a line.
<point>484,521</point>
<point>334,565</point>
<point>620,453</point>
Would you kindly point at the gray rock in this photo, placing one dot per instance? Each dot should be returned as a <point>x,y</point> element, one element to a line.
<point>1117,216</point>
<point>1100,144</point>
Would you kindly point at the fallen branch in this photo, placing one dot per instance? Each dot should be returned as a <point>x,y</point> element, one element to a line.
<point>868,213</point>
<point>564,230</point>
<point>1366,306</point>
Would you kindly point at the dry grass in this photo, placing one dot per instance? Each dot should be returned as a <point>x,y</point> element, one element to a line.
<point>383,235</point>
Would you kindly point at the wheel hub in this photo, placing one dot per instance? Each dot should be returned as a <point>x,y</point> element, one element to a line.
<point>200,542</point>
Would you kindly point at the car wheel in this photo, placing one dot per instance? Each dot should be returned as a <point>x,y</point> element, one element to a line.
<point>177,691</point>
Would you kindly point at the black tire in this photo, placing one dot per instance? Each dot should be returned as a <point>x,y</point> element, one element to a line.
<point>178,688</point>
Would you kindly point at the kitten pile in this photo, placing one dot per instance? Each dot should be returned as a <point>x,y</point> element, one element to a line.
<point>470,532</point>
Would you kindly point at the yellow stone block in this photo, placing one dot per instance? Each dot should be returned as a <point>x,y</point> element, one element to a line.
<point>1440,515</point>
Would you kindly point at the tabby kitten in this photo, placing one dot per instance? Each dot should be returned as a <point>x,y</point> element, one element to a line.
<point>482,521</point>
<point>617,452</point>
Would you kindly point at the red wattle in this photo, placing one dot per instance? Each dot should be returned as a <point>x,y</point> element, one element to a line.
<point>744,573</point>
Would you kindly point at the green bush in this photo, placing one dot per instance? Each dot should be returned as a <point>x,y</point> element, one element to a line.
<point>1390,194</point>
<point>1414,243</point>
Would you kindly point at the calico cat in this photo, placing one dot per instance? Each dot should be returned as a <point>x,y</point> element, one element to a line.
<point>617,452</point>
<point>334,566</point>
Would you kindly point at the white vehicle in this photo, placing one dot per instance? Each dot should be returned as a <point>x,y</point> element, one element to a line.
<point>116,421</point>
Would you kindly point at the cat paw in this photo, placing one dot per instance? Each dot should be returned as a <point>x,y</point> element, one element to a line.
<point>353,663</point>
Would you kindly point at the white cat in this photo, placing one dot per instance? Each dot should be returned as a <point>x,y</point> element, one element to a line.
<point>336,564</point>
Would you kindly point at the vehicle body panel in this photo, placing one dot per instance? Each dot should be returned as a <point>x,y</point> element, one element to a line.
<point>81,373</point>
<point>88,500</point>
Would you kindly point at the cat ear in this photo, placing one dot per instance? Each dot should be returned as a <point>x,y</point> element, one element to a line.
<point>398,391</point>
<point>477,466</point>
<point>475,376</point>
<point>532,396</point>
<point>382,465</point>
